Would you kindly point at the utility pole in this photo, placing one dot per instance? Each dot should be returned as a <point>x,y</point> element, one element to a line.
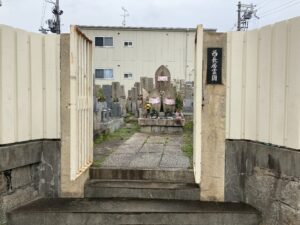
<point>57,13</point>
<point>239,16</point>
<point>53,24</point>
<point>0,2</point>
<point>245,13</point>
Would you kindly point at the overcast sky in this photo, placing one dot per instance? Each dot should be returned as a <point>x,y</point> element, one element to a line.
<point>220,14</point>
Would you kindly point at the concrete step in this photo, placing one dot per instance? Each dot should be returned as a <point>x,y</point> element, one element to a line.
<point>141,189</point>
<point>134,212</point>
<point>166,175</point>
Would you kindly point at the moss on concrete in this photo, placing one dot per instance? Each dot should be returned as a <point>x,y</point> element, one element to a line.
<point>122,134</point>
<point>187,146</point>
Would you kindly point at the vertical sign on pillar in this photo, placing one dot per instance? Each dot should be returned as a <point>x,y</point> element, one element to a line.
<point>214,66</point>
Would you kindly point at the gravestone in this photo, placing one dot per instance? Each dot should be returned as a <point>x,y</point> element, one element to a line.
<point>182,85</point>
<point>122,92</point>
<point>116,90</point>
<point>129,94</point>
<point>162,78</point>
<point>116,109</point>
<point>122,102</point>
<point>150,85</point>
<point>143,81</point>
<point>107,91</point>
<point>134,107</point>
<point>189,90</point>
<point>137,85</point>
<point>188,104</point>
<point>129,105</point>
<point>134,93</point>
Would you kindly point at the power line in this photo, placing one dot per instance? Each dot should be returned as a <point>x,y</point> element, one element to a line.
<point>277,11</point>
<point>234,26</point>
<point>278,7</point>
<point>264,3</point>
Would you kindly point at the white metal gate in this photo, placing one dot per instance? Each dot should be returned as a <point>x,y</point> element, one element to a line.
<point>81,95</point>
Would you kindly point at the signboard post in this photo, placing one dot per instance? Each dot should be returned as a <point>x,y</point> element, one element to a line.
<point>214,66</point>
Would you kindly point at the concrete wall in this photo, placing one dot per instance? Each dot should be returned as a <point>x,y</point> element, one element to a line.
<point>263,84</point>
<point>28,171</point>
<point>266,177</point>
<point>29,86</point>
<point>213,124</point>
<point>151,49</point>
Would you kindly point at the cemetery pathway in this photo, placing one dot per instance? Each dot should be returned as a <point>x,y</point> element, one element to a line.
<point>148,151</point>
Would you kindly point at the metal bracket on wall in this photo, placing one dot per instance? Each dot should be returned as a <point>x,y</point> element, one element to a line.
<point>7,174</point>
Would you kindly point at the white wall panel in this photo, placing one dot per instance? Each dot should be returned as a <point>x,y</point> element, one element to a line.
<point>270,66</point>
<point>8,84</point>
<point>235,83</point>
<point>51,86</point>
<point>29,86</point>
<point>250,82</point>
<point>23,86</point>
<point>37,94</point>
<point>292,132</point>
<point>228,85</point>
<point>278,83</point>
<point>264,80</point>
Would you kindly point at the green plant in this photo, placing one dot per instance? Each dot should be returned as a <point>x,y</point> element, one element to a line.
<point>98,163</point>
<point>123,133</point>
<point>178,102</point>
<point>100,95</point>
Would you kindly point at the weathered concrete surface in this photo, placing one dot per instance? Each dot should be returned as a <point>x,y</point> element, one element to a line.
<point>28,176</point>
<point>14,156</point>
<point>68,188</point>
<point>106,212</point>
<point>213,125</point>
<point>149,151</point>
<point>50,169</point>
<point>141,190</point>
<point>166,175</point>
<point>163,126</point>
<point>109,126</point>
<point>265,177</point>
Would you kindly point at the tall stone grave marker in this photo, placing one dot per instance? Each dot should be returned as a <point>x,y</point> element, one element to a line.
<point>116,90</point>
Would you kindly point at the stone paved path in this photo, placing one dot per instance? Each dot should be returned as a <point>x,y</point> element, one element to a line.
<point>149,151</point>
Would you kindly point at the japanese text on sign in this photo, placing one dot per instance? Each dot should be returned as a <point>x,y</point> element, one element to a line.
<point>214,66</point>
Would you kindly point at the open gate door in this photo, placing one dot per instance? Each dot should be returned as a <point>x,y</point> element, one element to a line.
<point>81,93</point>
<point>77,111</point>
<point>197,137</point>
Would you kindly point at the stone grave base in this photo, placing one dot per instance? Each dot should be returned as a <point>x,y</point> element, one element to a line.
<point>165,126</point>
<point>109,126</point>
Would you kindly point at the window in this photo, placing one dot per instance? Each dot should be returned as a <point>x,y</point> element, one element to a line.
<point>104,74</point>
<point>128,44</point>
<point>127,75</point>
<point>104,41</point>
